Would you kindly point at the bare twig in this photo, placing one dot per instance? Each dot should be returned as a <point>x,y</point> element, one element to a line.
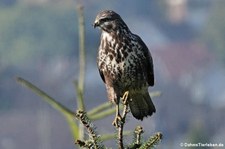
<point>122,121</point>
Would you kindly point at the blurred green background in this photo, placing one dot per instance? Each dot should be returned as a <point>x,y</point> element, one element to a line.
<point>39,42</point>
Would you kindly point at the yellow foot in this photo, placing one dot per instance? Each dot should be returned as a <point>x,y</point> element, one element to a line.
<point>117,120</point>
<point>125,97</point>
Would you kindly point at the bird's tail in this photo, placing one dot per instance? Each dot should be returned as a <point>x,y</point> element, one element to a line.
<point>141,104</point>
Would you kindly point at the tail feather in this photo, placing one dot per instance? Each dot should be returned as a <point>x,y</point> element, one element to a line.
<point>141,105</point>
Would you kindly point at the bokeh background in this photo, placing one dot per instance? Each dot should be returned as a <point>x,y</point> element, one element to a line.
<point>39,42</point>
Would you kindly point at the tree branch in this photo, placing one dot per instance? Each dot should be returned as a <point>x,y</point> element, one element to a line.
<point>79,84</point>
<point>122,121</point>
<point>152,141</point>
<point>94,141</point>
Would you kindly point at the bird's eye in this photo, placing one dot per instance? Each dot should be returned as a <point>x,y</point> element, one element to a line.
<point>105,19</point>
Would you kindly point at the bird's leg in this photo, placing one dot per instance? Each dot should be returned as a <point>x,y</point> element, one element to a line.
<point>125,97</point>
<point>118,119</point>
<point>118,116</point>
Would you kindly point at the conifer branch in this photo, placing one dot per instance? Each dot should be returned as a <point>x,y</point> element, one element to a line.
<point>152,141</point>
<point>138,131</point>
<point>94,141</point>
<point>137,138</point>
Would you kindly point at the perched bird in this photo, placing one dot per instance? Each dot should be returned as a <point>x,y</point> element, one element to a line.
<point>125,64</point>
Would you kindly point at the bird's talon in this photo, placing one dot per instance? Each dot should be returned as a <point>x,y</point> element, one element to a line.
<point>117,120</point>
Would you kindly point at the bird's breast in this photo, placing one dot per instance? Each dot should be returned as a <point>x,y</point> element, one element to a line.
<point>118,59</point>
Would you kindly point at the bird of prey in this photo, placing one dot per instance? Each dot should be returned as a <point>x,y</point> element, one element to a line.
<point>125,64</point>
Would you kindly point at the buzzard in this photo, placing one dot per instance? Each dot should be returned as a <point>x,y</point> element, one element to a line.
<point>125,64</point>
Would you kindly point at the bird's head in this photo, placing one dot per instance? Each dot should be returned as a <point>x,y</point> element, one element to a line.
<point>109,21</point>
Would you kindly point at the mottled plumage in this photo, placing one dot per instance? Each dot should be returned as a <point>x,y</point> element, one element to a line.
<point>125,64</point>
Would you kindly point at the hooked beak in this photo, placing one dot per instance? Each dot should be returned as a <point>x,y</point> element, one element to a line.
<point>96,24</point>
